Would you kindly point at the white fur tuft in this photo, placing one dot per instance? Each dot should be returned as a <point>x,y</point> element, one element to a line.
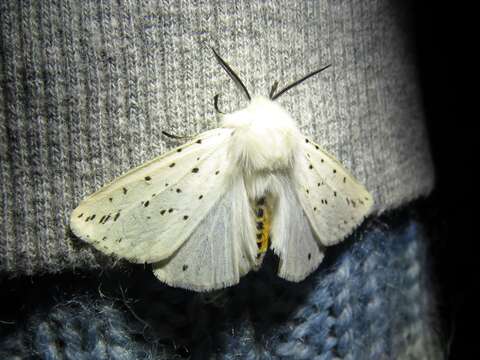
<point>265,136</point>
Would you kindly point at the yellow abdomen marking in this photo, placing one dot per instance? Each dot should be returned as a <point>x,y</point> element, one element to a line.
<point>263,224</point>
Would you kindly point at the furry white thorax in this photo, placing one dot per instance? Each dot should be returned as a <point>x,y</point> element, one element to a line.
<point>265,136</point>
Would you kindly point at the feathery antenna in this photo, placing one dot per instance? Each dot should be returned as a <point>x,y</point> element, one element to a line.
<point>286,88</point>
<point>232,74</point>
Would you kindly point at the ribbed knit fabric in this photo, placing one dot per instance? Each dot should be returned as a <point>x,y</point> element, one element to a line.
<point>370,300</point>
<point>88,86</point>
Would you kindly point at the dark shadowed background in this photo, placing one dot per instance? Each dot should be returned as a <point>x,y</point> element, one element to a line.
<point>445,60</point>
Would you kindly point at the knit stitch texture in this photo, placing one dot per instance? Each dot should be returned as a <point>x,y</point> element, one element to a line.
<point>370,300</point>
<point>88,86</point>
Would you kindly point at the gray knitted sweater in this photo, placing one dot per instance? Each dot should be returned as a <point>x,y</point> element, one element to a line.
<point>87,88</point>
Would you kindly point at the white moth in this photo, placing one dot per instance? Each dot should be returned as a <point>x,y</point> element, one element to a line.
<point>204,213</point>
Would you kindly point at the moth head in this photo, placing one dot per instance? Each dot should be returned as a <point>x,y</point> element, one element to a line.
<point>274,92</point>
<point>264,138</point>
<point>261,116</point>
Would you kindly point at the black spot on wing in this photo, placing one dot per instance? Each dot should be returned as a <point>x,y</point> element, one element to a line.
<point>105,219</point>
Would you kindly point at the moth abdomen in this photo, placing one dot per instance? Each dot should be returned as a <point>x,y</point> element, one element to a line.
<point>263,221</point>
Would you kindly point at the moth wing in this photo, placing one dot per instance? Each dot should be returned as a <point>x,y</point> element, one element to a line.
<point>146,214</point>
<point>220,250</point>
<point>292,237</point>
<point>333,200</point>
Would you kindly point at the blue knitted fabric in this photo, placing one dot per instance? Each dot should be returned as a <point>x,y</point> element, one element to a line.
<point>370,299</point>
